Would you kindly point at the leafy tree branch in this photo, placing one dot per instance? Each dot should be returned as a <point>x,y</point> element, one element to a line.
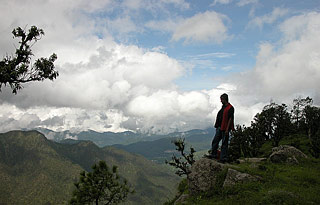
<point>18,69</point>
<point>182,164</point>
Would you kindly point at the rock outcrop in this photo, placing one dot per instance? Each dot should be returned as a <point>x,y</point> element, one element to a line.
<point>233,177</point>
<point>286,154</point>
<point>206,174</point>
<point>203,175</point>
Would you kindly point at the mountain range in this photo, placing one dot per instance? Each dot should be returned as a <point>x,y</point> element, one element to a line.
<point>157,148</point>
<point>35,170</point>
<point>110,138</point>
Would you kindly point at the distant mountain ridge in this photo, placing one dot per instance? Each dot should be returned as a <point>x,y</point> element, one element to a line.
<point>162,149</point>
<point>123,138</point>
<point>157,148</point>
<point>35,170</point>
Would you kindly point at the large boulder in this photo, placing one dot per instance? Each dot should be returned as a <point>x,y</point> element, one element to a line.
<point>203,175</point>
<point>286,154</point>
<point>233,177</point>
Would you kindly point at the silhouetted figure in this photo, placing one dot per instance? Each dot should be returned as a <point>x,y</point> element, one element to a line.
<point>224,123</point>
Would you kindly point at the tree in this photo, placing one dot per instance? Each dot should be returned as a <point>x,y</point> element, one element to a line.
<point>245,142</point>
<point>183,166</point>
<point>17,69</point>
<point>298,110</point>
<point>312,121</point>
<point>283,124</point>
<point>273,122</point>
<point>237,140</point>
<point>101,185</point>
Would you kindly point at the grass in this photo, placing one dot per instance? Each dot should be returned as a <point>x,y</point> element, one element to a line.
<point>279,184</point>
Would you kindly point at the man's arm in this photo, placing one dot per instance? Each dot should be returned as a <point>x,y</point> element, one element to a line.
<point>230,120</point>
<point>229,123</point>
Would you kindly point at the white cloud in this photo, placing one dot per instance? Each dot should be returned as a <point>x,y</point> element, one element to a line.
<point>123,25</point>
<point>268,18</point>
<point>168,25</point>
<point>108,86</point>
<point>98,77</point>
<point>109,79</point>
<point>203,27</point>
<point>288,68</point>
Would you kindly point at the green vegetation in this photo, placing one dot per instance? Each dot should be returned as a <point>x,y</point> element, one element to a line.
<point>183,163</point>
<point>161,150</point>
<point>280,183</point>
<point>17,69</point>
<point>275,123</point>
<point>34,170</point>
<point>100,186</point>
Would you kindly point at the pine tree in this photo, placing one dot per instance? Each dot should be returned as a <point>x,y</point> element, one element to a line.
<point>102,185</point>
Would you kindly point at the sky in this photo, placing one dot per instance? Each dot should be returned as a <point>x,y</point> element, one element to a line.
<point>159,66</point>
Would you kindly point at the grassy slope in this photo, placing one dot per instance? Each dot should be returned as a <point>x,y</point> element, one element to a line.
<point>34,170</point>
<point>31,172</point>
<point>281,183</point>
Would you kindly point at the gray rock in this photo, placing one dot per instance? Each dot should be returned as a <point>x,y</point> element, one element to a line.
<point>286,154</point>
<point>233,177</point>
<point>252,160</point>
<point>182,199</point>
<point>203,175</point>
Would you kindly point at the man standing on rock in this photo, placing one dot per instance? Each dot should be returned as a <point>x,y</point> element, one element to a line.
<point>224,123</point>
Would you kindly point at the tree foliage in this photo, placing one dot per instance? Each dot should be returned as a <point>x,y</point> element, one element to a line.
<point>102,185</point>
<point>312,121</point>
<point>274,123</point>
<point>245,141</point>
<point>182,164</point>
<point>298,111</point>
<point>18,69</point>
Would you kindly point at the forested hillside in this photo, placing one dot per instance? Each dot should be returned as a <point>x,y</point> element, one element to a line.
<point>35,170</point>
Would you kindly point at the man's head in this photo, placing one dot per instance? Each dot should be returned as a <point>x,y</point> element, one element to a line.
<point>224,98</point>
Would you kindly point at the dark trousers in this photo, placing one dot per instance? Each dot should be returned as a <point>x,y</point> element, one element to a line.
<point>220,135</point>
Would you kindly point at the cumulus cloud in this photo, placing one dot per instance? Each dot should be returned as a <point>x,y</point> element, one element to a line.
<point>288,68</point>
<point>100,81</point>
<point>108,86</point>
<point>98,77</point>
<point>203,27</point>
